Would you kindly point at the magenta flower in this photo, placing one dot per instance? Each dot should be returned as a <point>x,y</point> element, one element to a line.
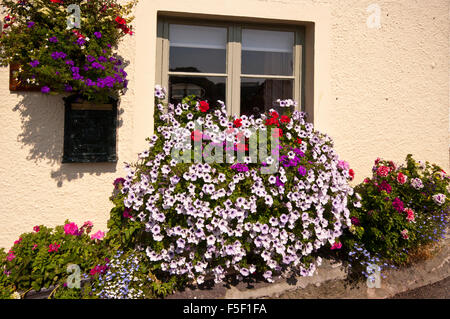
<point>118,181</point>
<point>10,256</point>
<point>126,214</point>
<point>71,229</point>
<point>302,170</point>
<point>385,187</point>
<point>98,35</point>
<point>53,248</point>
<point>336,245</point>
<point>355,221</point>
<point>398,205</point>
<point>36,229</point>
<point>98,235</point>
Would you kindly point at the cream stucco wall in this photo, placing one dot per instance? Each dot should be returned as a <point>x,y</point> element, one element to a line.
<point>377,92</point>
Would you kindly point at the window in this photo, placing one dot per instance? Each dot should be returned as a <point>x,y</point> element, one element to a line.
<point>248,66</point>
<point>89,131</point>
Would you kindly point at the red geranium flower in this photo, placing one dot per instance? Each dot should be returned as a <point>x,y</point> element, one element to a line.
<point>285,119</point>
<point>272,121</point>
<point>238,122</point>
<point>121,20</point>
<point>204,106</point>
<point>352,174</point>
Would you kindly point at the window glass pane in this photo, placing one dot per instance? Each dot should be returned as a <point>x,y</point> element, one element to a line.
<point>267,52</point>
<point>206,88</point>
<point>197,48</point>
<point>260,95</point>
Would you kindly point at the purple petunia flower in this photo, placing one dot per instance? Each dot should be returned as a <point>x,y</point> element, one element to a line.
<point>90,58</point>
<point>45,89</point>
<point>34,63</point>
<point>97,65</point>
<point>77,76</point>
<point>70,62</point>
<point>30,24</point>
<point>302,170</point>
<point>58,55</point>
<point>68,88</point>
<point>89,82</point>
<point>278,182</point>
<point>81,41</point>
<point>53,40</point>
<point>98,34</point>
<point>102,59</point>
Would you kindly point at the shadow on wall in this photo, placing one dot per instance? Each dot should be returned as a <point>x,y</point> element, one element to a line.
<point>42,120</point>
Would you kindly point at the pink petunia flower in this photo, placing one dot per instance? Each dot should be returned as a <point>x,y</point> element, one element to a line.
<point>98,235</point>
<point>409,214</point>
<point>405,234</point>
<point>37,229</point>
<point>10,256</point>
<point>401,178</point>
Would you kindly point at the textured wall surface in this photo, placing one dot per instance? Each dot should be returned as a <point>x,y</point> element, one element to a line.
<point>378,92</point>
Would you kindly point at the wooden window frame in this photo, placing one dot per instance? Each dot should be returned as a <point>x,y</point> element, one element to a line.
<point>233,72</point>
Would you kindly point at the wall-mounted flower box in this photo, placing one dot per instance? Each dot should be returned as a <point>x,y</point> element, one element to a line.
<point>89,131</point>
<point>16,85</point>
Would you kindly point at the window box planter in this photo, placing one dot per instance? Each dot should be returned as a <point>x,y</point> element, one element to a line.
<point>90,131</point>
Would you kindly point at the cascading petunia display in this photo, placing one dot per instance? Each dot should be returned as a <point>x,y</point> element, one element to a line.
<point>61,56</point>
<point>210,218</point>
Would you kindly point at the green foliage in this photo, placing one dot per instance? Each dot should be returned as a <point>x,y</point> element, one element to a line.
<point>399,209</point>
<point>40,259</point>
